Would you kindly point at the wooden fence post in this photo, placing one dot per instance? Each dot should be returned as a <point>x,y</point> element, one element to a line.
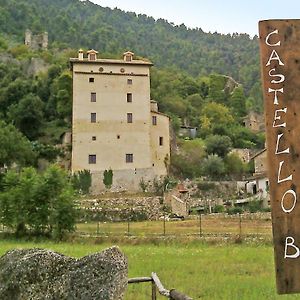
<point>200,224</point>
<point>128,227</point>
<point>164,223</point>
<point>240,225</point>
<point>153,290</point>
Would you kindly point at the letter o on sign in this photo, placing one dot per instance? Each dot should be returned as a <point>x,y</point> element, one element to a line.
<point>288,210</point>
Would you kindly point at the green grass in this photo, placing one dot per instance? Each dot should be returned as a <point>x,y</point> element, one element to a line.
<point>221,271</point>
<point>210,225</point>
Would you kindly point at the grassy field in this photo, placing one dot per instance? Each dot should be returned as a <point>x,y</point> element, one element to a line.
<point>209,225</point>
<point>203,271</point>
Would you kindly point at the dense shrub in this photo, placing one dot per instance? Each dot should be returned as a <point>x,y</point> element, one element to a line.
<point>82,181</point>
<point>40,204</point>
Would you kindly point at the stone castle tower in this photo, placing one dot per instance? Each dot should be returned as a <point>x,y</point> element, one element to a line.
<point>36,41</point>
<point>116,125</point>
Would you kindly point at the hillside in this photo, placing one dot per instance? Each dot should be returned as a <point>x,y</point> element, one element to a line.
<point>204,80</point>
<point>75,24</point>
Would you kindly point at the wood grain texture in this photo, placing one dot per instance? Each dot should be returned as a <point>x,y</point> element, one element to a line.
<point>280,69</point>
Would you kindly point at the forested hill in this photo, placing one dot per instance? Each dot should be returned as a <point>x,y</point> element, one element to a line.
<point>75,24</point>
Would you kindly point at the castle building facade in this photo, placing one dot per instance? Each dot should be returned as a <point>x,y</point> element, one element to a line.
<point>115,124</point>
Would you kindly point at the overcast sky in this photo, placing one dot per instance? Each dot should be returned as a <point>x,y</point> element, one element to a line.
<point>223,16</point>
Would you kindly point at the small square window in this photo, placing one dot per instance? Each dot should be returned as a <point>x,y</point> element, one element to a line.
<point>129,97</point>
<point>93,117</point>
<point>161,141</point>
<point>129,117</point>
<point>91,79</point>
<point>118,136</point>
<point>154,120</point>
<point>93,97</point>
<point>92,159</point>
<point>94,138</point>
<point>129,158</point>
<point>92,56</point>
<point>129,81</point>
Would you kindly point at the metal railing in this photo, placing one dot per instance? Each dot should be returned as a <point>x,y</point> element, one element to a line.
<point>157,286</point>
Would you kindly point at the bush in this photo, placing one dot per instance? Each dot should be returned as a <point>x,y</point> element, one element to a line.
<point>42,204</point>
<point>235,210</point>
<point>235,168</point>
<point>255,206</point>
<point>187,162</point>
<point>108,178</point>
<point>82,181</point>
<point>218,144</point>
<point>144,185</point>
<point>213,166</point>
<point>206,186</point>
<point>218,209</point>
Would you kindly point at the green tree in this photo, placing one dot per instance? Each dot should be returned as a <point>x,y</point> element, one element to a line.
<point>216,88</point>
<point>27,115</point>
<point>42,204</point>
<point>61,95</point>
<point>213,167</point>
<point>235,168</point>
<point>214,114</point>
<point>82,181</point>
<point>218,144</point>
<point>14,147</point>
<point>187,161</point>
<point>238,102</point>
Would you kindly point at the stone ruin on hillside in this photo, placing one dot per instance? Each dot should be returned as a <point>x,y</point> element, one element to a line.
<point>36,41</point>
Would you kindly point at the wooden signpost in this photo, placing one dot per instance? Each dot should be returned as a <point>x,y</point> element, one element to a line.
<point>280,65</point>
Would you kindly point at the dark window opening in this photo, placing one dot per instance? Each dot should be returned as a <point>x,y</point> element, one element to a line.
<point>92,158</point>
<point>129,81</point>
<point>129,117</point>
<point>118,136</point>
<point>93,97</point>
<point>161,141</point>
<point>94,138</point>
<point>91,79</point>
<point>254,189</point>
<point>129,97</point>
<point>129,157</point>
<point>154,120</point>
<point>93,117</point>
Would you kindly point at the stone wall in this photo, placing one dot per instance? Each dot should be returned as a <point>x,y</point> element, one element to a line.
<point>123,180</point>
<point>121,208</point>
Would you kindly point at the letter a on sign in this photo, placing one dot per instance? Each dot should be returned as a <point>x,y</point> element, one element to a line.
<point>280,64</point>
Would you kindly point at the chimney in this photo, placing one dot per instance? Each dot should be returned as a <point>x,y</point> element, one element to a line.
<point>92,54</point>
<point>153,105</point>
<point>127,56</point>
<point>80,54</point>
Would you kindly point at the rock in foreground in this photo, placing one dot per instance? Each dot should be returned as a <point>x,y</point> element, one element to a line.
<point>38,274</point>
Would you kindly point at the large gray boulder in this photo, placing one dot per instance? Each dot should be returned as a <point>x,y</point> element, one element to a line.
<point>42,274</point>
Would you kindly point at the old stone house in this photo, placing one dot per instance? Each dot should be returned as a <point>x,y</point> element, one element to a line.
<point>259,183</point>
<point>254,121</point>
<point>115,124</point>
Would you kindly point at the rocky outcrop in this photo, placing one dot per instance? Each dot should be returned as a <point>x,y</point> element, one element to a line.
<point>42,274</point>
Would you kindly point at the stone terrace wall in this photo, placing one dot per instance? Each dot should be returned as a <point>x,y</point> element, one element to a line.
<point>122,208</point>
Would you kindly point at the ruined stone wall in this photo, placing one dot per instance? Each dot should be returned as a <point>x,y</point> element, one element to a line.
<point>120,208</point>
